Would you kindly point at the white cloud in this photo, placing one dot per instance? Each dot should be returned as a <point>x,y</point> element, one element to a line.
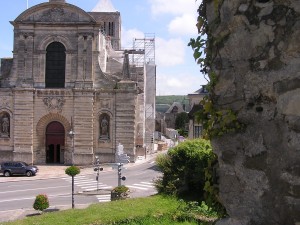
<point>174,7</point>
<point>183,25</point>
<point>181,83</point>
<point>169,52</point>
<point>129,35</point>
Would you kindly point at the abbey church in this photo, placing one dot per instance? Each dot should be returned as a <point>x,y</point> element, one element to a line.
<point>70,92</point>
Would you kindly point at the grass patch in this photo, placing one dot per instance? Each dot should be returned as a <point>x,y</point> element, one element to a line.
<point>152,210</point>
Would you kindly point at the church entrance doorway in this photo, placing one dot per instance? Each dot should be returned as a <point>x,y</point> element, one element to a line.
<point>55,141</point>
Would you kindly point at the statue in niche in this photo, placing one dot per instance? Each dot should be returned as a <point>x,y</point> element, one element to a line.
<point>104,127</point>
<point>5,126</point>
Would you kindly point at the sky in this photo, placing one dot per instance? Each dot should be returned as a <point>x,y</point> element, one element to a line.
<point>172,22</point>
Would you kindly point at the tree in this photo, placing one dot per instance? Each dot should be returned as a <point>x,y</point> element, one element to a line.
<point>181,120</point>
<point>41,202</point>
<point>72,171</point>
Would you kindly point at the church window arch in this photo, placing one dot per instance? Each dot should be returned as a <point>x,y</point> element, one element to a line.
<point>55,65</point>
<point>4,125</point>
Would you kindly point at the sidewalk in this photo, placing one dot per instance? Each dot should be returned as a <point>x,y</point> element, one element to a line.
<point>49,172</point>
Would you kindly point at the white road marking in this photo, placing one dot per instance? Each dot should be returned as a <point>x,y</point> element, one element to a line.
<point>87,184</point>
<point>130,186</point>
<point>3,192</point>
<point>103,198</point>
<point>33,197</point>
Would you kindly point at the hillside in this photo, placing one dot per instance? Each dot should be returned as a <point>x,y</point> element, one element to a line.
<point>169,99</point>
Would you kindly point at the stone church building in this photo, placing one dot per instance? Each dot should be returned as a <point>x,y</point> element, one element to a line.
<point>70,93</point>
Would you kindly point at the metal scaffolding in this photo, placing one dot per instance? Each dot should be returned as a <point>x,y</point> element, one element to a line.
<point>146,44</point>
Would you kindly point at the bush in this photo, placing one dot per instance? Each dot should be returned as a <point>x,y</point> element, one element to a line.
<point>41,202</point>
<point>72,171</point>
<point>184,167</point>
<point>119,193</point>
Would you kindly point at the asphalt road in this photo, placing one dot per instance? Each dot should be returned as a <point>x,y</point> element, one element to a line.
<point>21,194</point>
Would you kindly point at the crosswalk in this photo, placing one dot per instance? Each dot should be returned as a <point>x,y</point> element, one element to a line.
<point>142,186</point>
<point>87,184</point>
<point>103,198</point>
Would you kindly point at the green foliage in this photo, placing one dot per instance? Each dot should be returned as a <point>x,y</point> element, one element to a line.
<point>153,210</point>
<point>41,202</point>
<point>183,168</point>
<point>121,189</point>
<point>193,207</point>
<point>170,99</point>
<point>72,171</point>
<point>216,122</point>
<point>181,120</point>
<point>189,168</point>
<point>183,132</point>
<point>120,193</point>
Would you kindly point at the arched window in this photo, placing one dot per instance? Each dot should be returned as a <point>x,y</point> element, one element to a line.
<point>4,125</point>
<point>104,123</point>
<point>55,65</point>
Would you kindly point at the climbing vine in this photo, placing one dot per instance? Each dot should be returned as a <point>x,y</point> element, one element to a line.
<point>215,121</point>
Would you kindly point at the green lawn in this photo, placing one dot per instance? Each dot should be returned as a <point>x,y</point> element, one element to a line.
<point>139,211</point>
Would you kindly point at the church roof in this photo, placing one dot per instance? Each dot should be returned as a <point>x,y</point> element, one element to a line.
<point>54,12</point>
<point>104,6</point>
<point>202,91</point>
<point>196,108</point>
<point>175,104</point>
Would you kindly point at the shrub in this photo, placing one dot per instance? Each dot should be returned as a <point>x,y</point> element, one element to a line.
<point>41,202</point>
<point>72,171</point>
<point>183,167</point>
<point>119,193</point>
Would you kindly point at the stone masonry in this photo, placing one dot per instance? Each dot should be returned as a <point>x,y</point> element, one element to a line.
<point>258,76</point>
<point>63,96</point>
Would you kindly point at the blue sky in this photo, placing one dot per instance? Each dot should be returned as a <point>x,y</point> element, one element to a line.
<point>172,22</point>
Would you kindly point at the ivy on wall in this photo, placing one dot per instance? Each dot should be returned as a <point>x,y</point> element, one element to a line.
<point>216,121</point>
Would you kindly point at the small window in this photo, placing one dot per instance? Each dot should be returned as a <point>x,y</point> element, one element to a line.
<point>197,131</point>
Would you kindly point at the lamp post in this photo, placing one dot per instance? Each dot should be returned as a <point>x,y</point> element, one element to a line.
<point>72,133</point>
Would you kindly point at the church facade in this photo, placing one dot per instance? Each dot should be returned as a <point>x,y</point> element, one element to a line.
<point>69,93</point>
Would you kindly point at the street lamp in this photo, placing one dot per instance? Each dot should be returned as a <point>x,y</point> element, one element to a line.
<point>72,133</point>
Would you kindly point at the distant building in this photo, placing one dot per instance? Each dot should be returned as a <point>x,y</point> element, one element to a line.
<point>69,92</point>
<point>195,128</point>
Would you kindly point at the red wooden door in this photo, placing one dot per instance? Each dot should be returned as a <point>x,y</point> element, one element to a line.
<point>55,141</point>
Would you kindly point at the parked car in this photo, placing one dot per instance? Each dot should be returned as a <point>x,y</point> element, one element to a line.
<point>21,168</point>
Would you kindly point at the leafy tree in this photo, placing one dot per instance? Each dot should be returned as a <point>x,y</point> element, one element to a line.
<point>181,120</point>
<point>180,123</point>
<point>72,171</point>
<point>41,202</point>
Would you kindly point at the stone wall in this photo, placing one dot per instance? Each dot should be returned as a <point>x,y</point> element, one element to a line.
<point>258,76</point>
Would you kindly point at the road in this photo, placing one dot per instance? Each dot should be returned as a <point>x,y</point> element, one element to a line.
<point>21,194</point>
